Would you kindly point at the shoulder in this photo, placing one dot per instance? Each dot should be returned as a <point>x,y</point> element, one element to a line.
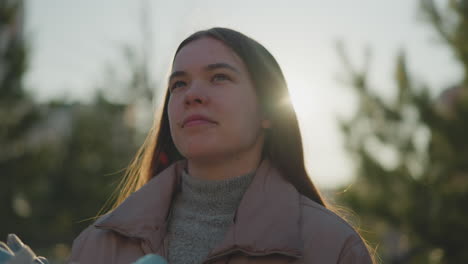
<point>327,236</point>
<point>88,238</point>
<point>316,218</point>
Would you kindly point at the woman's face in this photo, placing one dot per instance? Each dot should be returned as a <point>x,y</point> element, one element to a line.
<point>213,109</point>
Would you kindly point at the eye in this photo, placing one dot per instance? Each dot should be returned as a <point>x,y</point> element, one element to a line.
<point>219,77</point>
<point>177,84</point>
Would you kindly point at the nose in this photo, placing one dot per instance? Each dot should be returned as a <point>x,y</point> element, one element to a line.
<point>196,95</point>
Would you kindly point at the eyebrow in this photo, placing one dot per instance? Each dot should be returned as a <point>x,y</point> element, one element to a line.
<point>209,67</point>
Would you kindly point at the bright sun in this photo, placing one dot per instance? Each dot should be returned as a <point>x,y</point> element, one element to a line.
<point>313,106</point>
<point>301,97</point>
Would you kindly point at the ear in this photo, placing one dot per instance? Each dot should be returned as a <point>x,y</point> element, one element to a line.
<point>266,123</point>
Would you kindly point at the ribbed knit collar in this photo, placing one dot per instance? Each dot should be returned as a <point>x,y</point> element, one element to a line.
<point>215,196</point>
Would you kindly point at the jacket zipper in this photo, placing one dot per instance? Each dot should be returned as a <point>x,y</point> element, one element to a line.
<point>165,247</point>
<point>249,253</point>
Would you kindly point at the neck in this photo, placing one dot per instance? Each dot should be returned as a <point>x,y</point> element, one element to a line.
<point>225,167</point>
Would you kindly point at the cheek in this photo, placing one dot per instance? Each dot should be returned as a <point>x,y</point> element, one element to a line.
<point>172,114</point>
<point>246,115</point>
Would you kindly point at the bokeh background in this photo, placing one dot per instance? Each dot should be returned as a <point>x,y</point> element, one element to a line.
<point>380,89</point>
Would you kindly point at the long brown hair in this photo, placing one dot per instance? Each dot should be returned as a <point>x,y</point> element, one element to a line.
<point>283,143</point>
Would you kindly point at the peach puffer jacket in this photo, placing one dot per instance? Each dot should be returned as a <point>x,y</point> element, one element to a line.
<point>274,223</point>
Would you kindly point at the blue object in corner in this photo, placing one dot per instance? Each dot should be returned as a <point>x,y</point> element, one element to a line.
<point>151,259</point>
<point>4,256</point>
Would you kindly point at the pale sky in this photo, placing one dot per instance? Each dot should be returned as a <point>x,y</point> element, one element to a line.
<point>73,41</point>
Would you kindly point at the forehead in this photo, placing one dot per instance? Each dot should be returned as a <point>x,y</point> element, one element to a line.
<point>205,51</point>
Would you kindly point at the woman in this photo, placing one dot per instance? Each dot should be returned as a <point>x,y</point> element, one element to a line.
<point>221,178</point>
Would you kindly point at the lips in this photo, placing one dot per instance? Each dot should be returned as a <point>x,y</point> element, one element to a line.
<point>196,120</point>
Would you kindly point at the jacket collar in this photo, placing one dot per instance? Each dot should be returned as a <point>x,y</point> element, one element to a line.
<point>144,214</point>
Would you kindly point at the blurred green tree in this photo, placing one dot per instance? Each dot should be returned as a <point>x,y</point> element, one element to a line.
<point>18,116</point>
<point>60,161</point>
<point>411,151</point>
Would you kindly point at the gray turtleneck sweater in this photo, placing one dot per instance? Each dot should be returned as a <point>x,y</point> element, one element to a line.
<point>201,214</point>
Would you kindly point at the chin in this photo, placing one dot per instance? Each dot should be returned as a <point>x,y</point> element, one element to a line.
<point>198,155</point>
<point>202,154</point>
<point>198,147</point>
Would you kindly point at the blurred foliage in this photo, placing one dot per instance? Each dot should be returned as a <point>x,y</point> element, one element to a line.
<point>60,161</point>
<point>411,151</point>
